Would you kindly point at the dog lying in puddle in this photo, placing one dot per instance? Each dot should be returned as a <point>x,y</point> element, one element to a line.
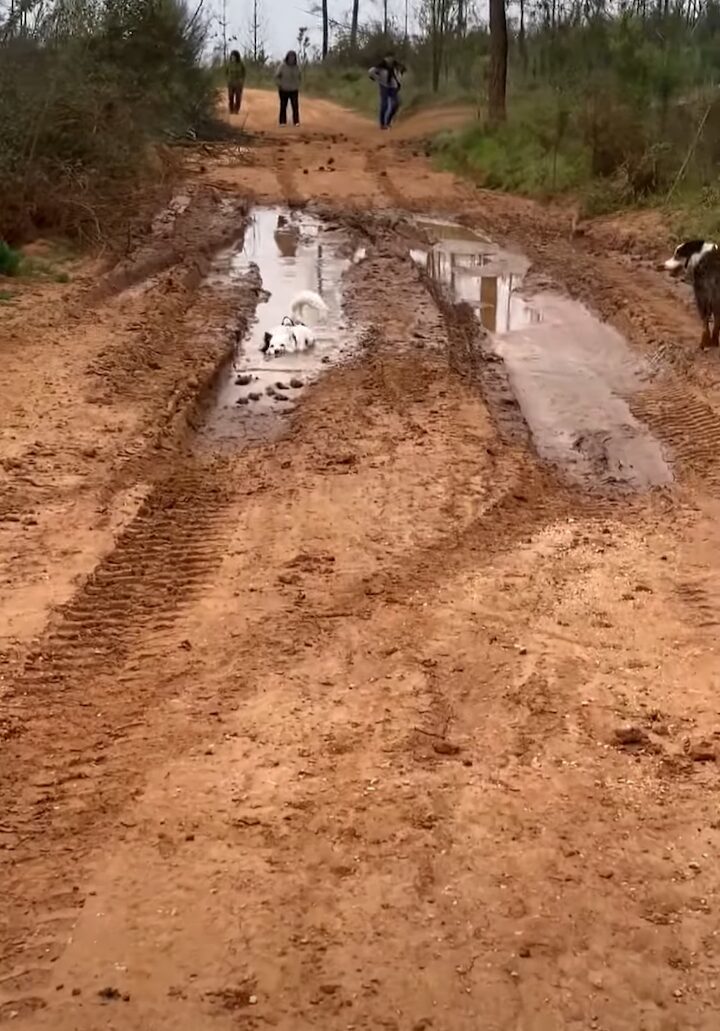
<point>292,334</point>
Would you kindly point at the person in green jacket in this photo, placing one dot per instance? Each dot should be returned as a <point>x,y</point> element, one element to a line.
<point>235,82</point>
<point>287,77</point>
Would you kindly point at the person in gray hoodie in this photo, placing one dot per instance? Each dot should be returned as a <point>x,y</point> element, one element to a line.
<point>287,77</point>
<point>388,75</point>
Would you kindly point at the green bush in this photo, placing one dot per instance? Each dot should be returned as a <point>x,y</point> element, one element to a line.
<point>85,90</point>
<point>10,260</point>
<point>527,155</point>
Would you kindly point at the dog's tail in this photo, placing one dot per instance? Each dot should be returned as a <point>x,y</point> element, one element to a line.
<point>308,299</point>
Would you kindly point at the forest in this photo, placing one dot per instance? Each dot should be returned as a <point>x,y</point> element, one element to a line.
<point>612,102</point>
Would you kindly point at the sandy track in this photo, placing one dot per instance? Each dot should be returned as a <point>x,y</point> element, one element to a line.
<point>322,733</point>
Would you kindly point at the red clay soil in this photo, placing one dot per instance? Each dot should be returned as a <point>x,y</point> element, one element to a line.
<point>378,725</point>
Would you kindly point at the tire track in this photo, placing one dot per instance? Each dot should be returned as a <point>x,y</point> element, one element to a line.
<point>94,677</point>
<point>107,661</point>
<point>688,425</point>
<point>377,168</point>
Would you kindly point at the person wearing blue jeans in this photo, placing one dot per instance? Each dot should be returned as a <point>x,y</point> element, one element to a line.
<point>387,74</point>
<point>389,104</point>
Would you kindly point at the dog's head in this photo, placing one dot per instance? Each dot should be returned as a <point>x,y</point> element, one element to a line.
<point>279,341</point>
<point>688,254</point>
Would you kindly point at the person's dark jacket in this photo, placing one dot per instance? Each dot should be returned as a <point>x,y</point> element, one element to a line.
<point>388,74</point>
<point>235,73</point>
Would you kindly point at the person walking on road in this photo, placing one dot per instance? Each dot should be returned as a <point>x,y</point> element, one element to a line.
<point>388,75</point>
<point>235,82</point>
<point>288,80</point>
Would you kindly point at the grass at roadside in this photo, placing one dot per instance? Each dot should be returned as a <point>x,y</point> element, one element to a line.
<point>49,266</point>
<point>551,149</point>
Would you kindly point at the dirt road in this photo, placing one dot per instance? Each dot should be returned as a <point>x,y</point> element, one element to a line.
<point>364,713</point>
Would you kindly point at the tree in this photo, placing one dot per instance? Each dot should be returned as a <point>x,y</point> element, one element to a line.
<point>325,30</point>
<point>497,80</point>
<point>256,42</point>
<point>354,25</point>
<point>439,17</point>
<point>223,26</point>
<point>303,44</point>
<point>462,17</point>
<point>522,45</point>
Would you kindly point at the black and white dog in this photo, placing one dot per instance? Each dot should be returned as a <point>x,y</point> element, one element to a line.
<point>292,334</point>
<point>702,260</point>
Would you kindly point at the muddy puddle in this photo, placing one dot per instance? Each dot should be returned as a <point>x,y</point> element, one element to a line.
<point>294,251</point>
<point>572,374</point>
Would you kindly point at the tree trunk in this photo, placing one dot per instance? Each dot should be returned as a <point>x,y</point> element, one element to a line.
<point>436,42</point>
<point>522,46</point>
<point>462,17</point>
<point>354,25</point>
<point>325,30</point>
<point>498,63</point>
<point>437,59</point>
<point>385,18</point>
<point>255,28</point>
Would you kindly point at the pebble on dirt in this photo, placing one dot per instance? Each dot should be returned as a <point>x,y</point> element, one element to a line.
<point>630,735</point>
<point>243,379</point>
<point>242,401</point>
<point>296,383</point>
<point>702,752</point>
<point>113,995</point>
<point>446,748</point>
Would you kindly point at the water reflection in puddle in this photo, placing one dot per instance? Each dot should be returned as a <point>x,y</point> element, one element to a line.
<point>571,373</point>
<point>294,251</point>
<point>476,272</point>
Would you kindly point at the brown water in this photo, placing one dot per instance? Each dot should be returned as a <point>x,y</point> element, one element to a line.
<point>293,251</point>
<point>571,373</point>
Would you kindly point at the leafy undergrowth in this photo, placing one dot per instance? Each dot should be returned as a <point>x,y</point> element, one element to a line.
<point>50,266</point>
<point>514,158</point>
<point>84,100</point>
<point>606,159</point>
<point>10,260</point>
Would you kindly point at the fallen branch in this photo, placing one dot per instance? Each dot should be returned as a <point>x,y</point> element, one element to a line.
<point>691,151</point>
